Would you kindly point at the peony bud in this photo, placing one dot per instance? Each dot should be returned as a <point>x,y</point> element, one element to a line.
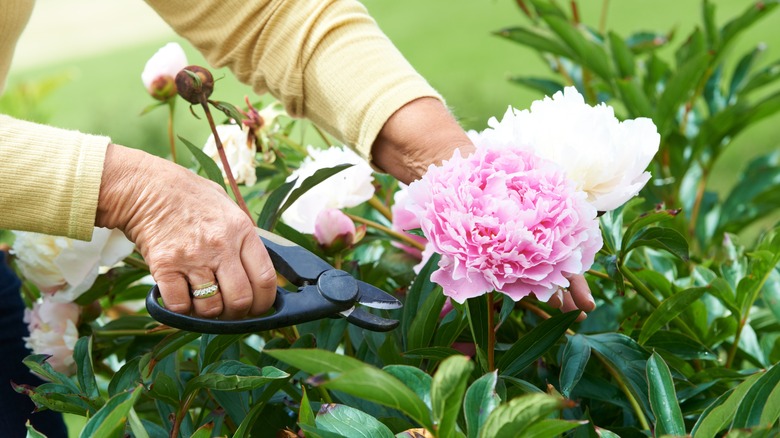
<point>334,230</point>
<point>194,81</point>
<point>53,331</point>
<point>160,69</point>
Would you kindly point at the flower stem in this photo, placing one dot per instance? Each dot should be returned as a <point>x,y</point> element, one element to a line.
<point>136,263</point>
<point>540,313</point>
<point>491,346</point>
<point>603,19</point>
<point>380,207</point>
<point>171,138</point>
<point>225,164</point>
<point>623,387</point>
<point>400,236</point>
<point>185,407</point>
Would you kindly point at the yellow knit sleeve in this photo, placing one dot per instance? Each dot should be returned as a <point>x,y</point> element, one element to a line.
<point>51,178</point>
<point>325,60</point>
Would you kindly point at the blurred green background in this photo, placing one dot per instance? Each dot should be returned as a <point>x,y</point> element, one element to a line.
<point>449,41</point>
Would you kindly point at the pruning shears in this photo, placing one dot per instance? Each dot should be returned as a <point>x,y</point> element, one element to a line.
<point>323,291</point>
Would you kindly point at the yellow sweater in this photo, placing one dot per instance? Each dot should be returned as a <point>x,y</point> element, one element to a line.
<point>326,60</point>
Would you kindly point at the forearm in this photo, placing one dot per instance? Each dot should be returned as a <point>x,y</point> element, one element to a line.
<point>421,133</point>
<point>50,180</point>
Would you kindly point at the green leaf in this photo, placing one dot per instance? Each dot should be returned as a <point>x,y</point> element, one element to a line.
<point>31,432</point>
<point>643,42</point>
<point>667,239</point>
<point>423,326</point>
<point>576,354</point>
<point>634,98</point>
<point>127,377</point>
<point>206,163</point>
<point>742,22</point>
<point>82,354</point>
<point>414,378</point>
<point>761,78</point>
<point>447,389</point>
<point>37,363</point>
<point>480,401</point>
<point>622,56</point>
<point>589,54</point>
<point>668,310</point>
<point>204,431</point>
<point>626,359</point>
<point>535,343</point>
<point>740,76</point>
<point>663,398</point>
<point>228,109</point>
<point>305,414</point>
<point>420,289</point>
<point>136,425</point>
<point>680,345</point>
<point>511,419</point>
<point>645,220</point>
<point>721,412</point>
<point>269,214</point>
<point>111,419</point>
<point>551,428</point>
<point>232,375</point>
<point>535,39</point>
<point>435,353</point>
<point>165,389</point>
<point>477,314</point>
<point>545,86</point>
<point>359,379</point>
<point>216,345</point>
<point>350,423</point>
<point>752,406</point>
<point>317,177</point>
<point>678,90</point>
<point>169,345</point>
<point>56,397</point>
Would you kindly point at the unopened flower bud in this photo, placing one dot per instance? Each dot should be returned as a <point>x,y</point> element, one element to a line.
<point>163,88</point>
<point>193,82</point>
<point>334,230</point>
<point>160,70</point>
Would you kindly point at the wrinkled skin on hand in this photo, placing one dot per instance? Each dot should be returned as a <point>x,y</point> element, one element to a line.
<point>189,232</point>
<point>423,132</point>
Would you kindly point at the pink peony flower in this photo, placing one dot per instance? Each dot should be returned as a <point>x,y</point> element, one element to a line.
<point>334,229</point>
<point>506,220</point>
<point>53,331</point>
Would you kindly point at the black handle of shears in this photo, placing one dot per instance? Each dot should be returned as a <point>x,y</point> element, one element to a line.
<point>290,308</point>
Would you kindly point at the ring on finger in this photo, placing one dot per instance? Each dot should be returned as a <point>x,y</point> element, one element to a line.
<point>205,290</point>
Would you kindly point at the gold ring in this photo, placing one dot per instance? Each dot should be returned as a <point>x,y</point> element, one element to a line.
<point>205,290</point>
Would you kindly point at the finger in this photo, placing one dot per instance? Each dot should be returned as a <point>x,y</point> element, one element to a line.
<point>580,292</point>
<point>556,300</point>
<point>175,293</point>
<point>210,306</point>
<point>235,289</point>
<point>569,305</point>
<point>260,272</point>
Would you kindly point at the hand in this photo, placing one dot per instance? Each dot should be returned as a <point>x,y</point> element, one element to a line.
<point>189,232</point>
<point>578,296</point>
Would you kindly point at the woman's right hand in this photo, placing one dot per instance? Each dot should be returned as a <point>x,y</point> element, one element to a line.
<point>190,233</point>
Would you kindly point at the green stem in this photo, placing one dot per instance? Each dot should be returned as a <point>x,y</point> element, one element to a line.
<point>185,407</point>
<point>491,346</point>
<point>136,263</point>
<point>380,207</point>
<point>171,138</point>
<point>290,142</point>
<point>400,236</point>
<point>648,295</point>
<point>132,332</point>
<point>603,19</point>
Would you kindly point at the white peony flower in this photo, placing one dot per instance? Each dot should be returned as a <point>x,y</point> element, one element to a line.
<point>605,157</point>
<point>239,152</point>
<point>53,331</point>
<point>348,188</point>
<point>66,266</point>
<point>161,69</point>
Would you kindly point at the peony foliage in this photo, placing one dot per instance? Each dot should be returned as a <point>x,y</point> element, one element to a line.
<point>606,175</point>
